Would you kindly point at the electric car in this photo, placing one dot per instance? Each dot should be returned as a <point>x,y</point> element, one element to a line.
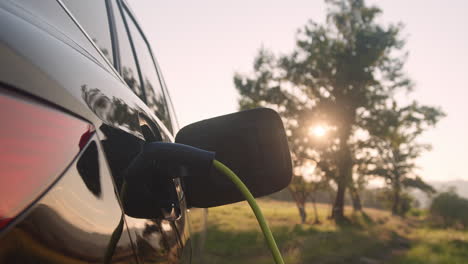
<point>89,171</point>
<point>80,92</point>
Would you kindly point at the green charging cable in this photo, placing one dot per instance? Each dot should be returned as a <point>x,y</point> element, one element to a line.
<point>255,208</point>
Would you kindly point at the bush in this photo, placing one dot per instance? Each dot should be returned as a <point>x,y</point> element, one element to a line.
<point>416,212</point>
<point>449,210</point>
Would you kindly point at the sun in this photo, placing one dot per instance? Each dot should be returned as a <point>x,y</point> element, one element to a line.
<point>318,131</point>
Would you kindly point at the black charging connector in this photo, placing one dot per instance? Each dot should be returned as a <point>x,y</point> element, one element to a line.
<point>174,157</point>
<point>174,154</point>
<point>149,178</point>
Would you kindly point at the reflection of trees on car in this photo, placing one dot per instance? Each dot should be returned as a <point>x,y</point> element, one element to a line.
<point>157,242</point>
<point>132,82</point>
<point>157,104</point>
<point>113,111</point>
<point>104,51</point>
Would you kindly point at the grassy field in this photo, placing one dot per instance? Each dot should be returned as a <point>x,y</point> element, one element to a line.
<point>371,238</point>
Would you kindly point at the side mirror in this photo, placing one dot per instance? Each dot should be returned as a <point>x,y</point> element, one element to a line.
<point>252,143</point>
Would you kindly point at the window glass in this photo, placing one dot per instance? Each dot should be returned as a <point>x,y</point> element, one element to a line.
<point>53,14</point>
<point>128,66</point>
<point>154,94</point>
<point>170,105</point>
<point>92,16</point>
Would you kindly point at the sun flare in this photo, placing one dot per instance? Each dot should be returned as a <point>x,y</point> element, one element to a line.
<point>318,131</point>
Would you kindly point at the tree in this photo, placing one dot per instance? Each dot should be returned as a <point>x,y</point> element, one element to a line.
<point>304,187</point>
<point>449,210</point>
<point>338,73</point>
<point>394,131</point>
<point>300,191</point>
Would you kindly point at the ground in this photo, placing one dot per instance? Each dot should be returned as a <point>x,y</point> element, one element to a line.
<point>373,237</point>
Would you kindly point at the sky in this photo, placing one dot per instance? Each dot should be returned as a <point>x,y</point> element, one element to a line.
<point>201,44</point>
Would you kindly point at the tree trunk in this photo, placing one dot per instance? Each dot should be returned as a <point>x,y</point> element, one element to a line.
<point>314,204</point>
<point>396,198</point>
<point>300,204</point>
<point>338,206</point>
<point>332,196</point>
<point>302,212</point>
<point>345,173</point>
<point>357,206</point>
<point>345,165</point>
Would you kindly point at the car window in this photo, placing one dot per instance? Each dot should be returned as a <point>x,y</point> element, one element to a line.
<point>170,105</point>
<point>128,66</point>
<point>155,97</point>
<point>92,16</point>
<point>53,14</point>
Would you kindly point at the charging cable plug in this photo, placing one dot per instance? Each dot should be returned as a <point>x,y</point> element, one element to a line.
<point>171,155</point>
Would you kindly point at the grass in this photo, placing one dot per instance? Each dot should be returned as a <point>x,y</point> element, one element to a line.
<point>372,237</point>
<point>439,246</point>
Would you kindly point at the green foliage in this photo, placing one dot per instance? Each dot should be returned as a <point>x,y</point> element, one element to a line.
<point>406,203</point>
<point>417,213</point>
<point>299,186</point>
<point>418,183</point>
<point>393,136</point>
<point>449,210</point>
